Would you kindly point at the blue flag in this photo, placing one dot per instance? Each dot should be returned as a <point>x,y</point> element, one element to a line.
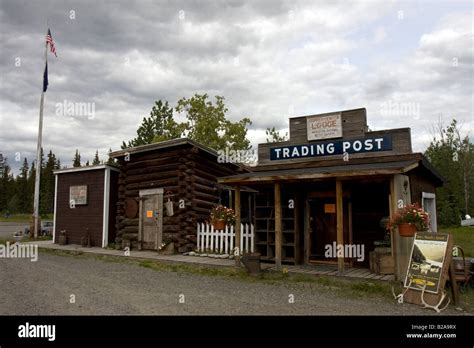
<point>45,78</point>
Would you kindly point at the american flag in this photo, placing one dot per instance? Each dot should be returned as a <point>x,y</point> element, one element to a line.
<point>49,40</point>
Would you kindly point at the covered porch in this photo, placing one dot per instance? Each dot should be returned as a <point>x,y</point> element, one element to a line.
<point>304,216</point>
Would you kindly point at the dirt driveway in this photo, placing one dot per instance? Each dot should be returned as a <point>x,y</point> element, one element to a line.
<point>81,285</point>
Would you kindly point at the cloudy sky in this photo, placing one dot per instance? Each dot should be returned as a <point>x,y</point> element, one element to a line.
<point>410,63</point>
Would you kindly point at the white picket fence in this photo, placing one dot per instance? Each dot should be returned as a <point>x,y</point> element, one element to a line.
<point>223,241</point>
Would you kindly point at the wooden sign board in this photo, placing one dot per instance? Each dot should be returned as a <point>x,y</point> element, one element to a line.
<point>324,127</point>
<point>78,194</point>
<point>429,265</point>
<point>330,208</point>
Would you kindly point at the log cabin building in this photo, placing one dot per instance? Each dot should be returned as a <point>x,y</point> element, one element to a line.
<point>169,187</point>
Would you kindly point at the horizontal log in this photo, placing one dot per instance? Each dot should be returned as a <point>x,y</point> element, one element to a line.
<point>153,169</point>
<point>218,169</point>
<point>157,183</point>
<point>130,236</point>
<point>206,197</point>
<point>170,228</point>
<point>129,229</point>
<point>206,182</point>
<point>204,188</point>
<point>136,159</point>
<point>130,222</point>
<point>202,173</point>
<point>201,211</point>
<point>151,177</point>
<point>201,203</point>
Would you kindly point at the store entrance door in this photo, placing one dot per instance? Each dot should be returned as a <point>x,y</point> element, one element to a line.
<point>321,228</point>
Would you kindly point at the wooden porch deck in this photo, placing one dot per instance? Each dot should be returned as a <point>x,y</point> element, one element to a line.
<point>331,270</point>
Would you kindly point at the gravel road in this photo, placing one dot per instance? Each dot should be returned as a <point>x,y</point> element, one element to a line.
<point>7,229</point>
<point>45,288</point>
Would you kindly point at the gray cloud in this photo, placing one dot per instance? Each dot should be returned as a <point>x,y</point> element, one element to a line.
<point>270,59</point>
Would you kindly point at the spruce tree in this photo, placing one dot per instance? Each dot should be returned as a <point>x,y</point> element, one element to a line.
<point>22,188</point>
<point>96,160</point>
<point>76,162</point>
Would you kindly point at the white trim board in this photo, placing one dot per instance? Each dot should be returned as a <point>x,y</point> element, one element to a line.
<point>55,206</point>
<point>433,217</point>
<point>105,220</point>
<point>81,169</point>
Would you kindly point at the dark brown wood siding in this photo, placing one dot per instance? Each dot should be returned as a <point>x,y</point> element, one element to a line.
<point>76,220</point>
<point>420,183</point>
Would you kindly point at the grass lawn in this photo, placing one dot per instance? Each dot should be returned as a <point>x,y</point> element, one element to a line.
<point>464,237</point>
<point>24,240</point>
<point>23,218</point>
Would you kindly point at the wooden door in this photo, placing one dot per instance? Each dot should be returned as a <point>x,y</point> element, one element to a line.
<point>150,234</point>
<point>322,227</point>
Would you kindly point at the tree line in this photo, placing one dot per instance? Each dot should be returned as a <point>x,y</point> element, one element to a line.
<point>17,192</point>
<point>452,155</point>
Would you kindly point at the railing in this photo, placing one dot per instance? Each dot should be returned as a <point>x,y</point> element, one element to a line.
<point>223,241</point>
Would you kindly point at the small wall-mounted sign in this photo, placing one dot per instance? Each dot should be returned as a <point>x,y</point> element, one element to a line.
<point>324,127</point>
<point>78,194</point>
<point>149,213</point>
<point>329,208</point>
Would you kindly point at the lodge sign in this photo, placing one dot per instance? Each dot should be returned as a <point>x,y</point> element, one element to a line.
<point>324,127</point>
<point>331,148</point>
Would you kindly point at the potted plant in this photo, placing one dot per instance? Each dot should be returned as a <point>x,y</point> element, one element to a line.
<point>410,219</point>
<point>221,216</point>
<point>252,262</point>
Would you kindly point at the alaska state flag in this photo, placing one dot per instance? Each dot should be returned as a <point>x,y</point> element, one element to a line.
<point>45,78</point>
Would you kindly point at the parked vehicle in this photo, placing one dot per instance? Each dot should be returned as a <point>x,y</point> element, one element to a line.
<point>47,228</point>
<point>468,221</point>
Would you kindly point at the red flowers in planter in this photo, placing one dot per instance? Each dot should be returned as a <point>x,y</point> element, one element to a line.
<point>410,219</point>
<point>221,216</point>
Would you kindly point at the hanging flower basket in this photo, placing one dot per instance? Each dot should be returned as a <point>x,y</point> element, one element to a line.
<point>406,229</point>
<point>221,216</point>
<point>410,219</point>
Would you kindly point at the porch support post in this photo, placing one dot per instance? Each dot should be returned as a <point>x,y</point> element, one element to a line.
<point>278,230</point>
<point>393,210</point>
<point>340,227</point>
<point>237,225</point>
<point>307,239</point>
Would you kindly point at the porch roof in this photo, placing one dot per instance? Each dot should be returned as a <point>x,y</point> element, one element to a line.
<point>323,172</point>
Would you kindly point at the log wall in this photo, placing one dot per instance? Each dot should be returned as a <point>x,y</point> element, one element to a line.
<point>188,173</point>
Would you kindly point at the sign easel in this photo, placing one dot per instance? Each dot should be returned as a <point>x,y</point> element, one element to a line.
<point>429,267</point>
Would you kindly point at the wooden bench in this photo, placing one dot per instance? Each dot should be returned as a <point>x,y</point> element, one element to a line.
<point>462,273</point>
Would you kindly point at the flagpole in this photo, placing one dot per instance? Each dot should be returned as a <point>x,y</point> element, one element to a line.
<point>38,155</point>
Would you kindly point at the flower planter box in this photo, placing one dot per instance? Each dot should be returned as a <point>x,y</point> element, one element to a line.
<point>381,261</point>
<point>406,229</point>
<point>219,225</point>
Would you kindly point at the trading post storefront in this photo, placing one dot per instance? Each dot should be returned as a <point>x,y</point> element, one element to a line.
<point>326,194</point>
